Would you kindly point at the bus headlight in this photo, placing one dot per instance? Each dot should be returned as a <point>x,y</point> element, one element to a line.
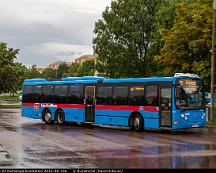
<point>182,115</point>
<point>203,116</point>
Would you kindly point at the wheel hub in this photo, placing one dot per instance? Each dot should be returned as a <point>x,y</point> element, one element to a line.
<point>60,118</point>
<point>47,117</point>
<point>136,122</point>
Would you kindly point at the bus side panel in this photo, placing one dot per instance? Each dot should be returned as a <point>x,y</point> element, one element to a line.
<point>74,115</point>
<point>30,112</point>
<point>151,123</point>
<point>71,114</point>
<point>112,117</point>
<point>151,119</point>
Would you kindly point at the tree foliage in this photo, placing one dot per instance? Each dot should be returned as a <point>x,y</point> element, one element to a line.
<point>86,69</point>
<point>49,73</point>
<point>22,74</point>
<point>123,38</point>
<point>8,73</point>
<point>186,46</point>
<point>62,70</point>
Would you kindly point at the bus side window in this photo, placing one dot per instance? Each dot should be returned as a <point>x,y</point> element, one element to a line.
<point>47,94</point>
<point>151,98</point>
<point>120,95</point>
<point>37,93</point>
<point>28,95</point>
<point>75,94</point>
<point>136,95</point>
<point>60,94</point>
<point>104,95</point>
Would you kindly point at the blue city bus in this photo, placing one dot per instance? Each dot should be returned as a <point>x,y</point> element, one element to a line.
<point>139,103</point>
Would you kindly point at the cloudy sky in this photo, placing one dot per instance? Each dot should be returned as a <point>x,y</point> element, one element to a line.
<point>46,31</point>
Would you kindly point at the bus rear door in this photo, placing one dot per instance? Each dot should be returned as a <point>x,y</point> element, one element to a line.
<point>89,103</point>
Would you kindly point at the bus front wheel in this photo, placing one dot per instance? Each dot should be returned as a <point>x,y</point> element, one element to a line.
<point>47,117</point>
<point>60,117</point>
<point>138,124</point>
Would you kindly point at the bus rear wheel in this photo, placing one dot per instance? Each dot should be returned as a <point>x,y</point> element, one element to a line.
<point>48,117</point>
<point>60,117</point>
<point>138,124</point>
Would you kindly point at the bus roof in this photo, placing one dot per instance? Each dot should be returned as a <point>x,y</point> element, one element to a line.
<point>96,79</point>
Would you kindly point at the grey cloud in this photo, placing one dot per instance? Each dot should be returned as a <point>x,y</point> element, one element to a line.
<point>47,30</point>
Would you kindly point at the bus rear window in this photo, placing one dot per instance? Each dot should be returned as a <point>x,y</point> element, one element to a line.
<point>28,96</point>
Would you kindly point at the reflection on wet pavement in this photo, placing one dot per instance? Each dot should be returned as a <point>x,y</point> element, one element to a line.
<point>32,144</point>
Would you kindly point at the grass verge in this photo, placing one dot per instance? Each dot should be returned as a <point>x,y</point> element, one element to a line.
<point>213,122</point>
<point>10,98</point>
<point>10,106</point>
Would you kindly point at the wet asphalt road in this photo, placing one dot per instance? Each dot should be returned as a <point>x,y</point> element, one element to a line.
<point>27,143</point>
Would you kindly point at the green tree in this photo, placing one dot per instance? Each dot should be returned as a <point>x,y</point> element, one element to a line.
<point>123,38</point>
<point>72,70</point>
<point>62,70</point>
<point>49,73</point>
<point>33,73</point>
<point>86,69</point>
<point>186,46</point>
<point>22,74</point>
<point>8,74</point>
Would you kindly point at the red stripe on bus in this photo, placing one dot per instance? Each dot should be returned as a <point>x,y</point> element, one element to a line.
<point>151,108</point>
<point>114,107</point>
<point>78,106</point>
<point>27,104</point>
<point>97,107</point>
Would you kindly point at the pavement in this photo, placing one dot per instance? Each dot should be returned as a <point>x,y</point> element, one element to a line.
<point>5,159</point>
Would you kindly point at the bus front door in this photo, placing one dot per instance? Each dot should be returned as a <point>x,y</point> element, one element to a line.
<point>165,107</point>
<point>89,103</point>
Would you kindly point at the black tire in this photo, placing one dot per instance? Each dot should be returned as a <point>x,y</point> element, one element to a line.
<point>131,124</point>
<point>60,117</point>
<point>138,124</point>
<point>47,117</point>
<point>88,125</point>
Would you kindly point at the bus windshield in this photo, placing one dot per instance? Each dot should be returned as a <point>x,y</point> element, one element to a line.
<point>189,94</point>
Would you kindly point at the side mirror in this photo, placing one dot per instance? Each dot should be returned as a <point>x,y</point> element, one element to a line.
<point>206,100</point>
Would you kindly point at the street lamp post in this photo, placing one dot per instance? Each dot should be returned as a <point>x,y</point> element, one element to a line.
<point>213,62</point>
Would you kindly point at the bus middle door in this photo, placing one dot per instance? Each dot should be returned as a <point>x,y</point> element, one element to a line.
<point>165,107</point>
<point>89,103</point>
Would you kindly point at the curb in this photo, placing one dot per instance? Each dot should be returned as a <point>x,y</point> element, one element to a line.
<point>210,126</point>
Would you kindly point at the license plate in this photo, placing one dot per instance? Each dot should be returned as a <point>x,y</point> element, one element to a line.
<point>195,125</point>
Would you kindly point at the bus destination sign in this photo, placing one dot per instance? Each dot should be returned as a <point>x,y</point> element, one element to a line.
<point>187,82</point>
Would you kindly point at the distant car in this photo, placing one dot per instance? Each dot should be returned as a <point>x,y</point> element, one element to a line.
<point>20,98</point>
